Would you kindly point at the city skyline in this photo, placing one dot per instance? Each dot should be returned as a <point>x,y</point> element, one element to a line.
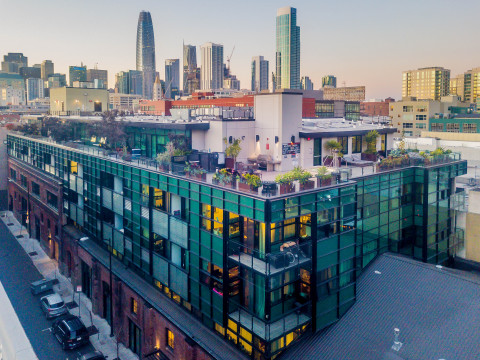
<point>381,49</point>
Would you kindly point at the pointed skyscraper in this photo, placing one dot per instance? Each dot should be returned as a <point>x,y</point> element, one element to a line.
<point>146,52</point>
<point>157,89</point>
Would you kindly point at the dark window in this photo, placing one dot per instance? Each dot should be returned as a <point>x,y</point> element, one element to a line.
<point>317,152</point>
<point>357,144</point>
<point>35,188</point>
<point>23,181</point>
<point>13,175</point>
<point>343,140</point>
<point>52,200</point>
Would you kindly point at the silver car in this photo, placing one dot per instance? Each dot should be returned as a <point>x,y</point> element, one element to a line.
<point>53,306</point>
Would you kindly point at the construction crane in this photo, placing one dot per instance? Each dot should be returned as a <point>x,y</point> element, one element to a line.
<point>229,57</point>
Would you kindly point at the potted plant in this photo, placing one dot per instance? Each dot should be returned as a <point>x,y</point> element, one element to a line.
<point>371,153</point>
<point>165,159</point>
<point>286,183</point>
<point>303,176</point>
<point>323,177</point>
<point>231,152</point>
<point>252,181</point>
<point>195,172</point>
<point>334,147</point>
<point>224,178</point>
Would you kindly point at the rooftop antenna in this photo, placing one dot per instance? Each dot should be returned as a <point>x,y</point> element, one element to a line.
<point>396,343</point>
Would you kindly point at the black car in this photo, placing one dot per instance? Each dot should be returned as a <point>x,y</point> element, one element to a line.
<point>95,355</point>
<point>70,332</point>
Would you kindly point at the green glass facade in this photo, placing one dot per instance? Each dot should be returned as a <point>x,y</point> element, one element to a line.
<point>287,50</point>
<point>260,271</point>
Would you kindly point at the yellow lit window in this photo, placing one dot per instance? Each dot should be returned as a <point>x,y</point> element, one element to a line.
<point>73,167</point>
<point>220,329</point>
<point>170,339</point>
<point>134,306</point>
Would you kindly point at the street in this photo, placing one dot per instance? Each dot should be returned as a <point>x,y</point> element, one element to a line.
<point>16,273</point>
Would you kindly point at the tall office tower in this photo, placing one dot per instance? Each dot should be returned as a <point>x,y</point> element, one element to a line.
<point>211,73</point>
<point>288,49</point>
<point>100,75</point>
<point>172,78</point>
<point>47,69</point>
<point>426,83</point>
<point>35,89</point>
<point>122,83</point>
<point>12,62</point>
<point>191,73</point>
<point>57,80</point>
<point>259,74</point>
<point>329,81</point>
<point>146,52</point>
<point>307,84</point>
<point>135,82</point>
<point>77,73</point>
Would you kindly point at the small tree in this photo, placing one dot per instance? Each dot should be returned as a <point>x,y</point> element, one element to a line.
<point>333,145</point>
<point>232,150</point>
<point>371,139</point>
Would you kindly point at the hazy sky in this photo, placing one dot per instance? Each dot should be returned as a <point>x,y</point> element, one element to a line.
<point>366,42</point>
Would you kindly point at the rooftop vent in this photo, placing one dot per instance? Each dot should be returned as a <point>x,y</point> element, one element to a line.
<point>396,343</point>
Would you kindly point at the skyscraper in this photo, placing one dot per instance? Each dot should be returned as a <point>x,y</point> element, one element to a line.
<point>172,77</point>
<point>211,74</point>
<point>12,62</point>
<point>47,69</point>
<point>259,74</point>
<point>121,82</point>
<point>100,75</point>
<point>191,73</point>
<point>307,84</point>
<point>35,89</point>
<point>77,73</point>
<point>135,82</point>
<point>466,85</point>
<point>329,81</point>
<point>146,52</point>
<point>426,83</point>
<point>288,49</point>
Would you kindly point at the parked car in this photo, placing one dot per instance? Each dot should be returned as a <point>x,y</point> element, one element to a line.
<point>53,305</point>
<point>94,355</point>
<point>70,332</point>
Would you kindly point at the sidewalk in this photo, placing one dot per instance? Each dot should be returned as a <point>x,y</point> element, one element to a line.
<point>49,269</point>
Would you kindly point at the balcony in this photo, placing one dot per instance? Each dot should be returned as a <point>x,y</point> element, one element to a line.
<point>270,331</point>
<point>291,255</point>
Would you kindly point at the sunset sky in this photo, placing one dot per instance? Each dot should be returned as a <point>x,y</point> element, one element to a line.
<point>367,42</point>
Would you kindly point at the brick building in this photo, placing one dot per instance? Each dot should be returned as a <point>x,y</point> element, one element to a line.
<point>375,108</point>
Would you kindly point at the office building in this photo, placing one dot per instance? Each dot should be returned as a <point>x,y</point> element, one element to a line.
<point>12,62</point>
<point>426,83</point>
<point>467,85</point>
<point>191,72</point>
<point>11,96</point>
<point>352,93</point>
<point>57,80</point>
<point>211,73</point>
<point>100,75</point>
<point>287,49</point>
<point>172,78</point>
<point>222,271</point>
<point>329,81</point>
<point>35,89</point>
<point>306,83</point>
<point>411,116</point>
<point>47,68</point>
<point>259,74</point>
<point>124,102</point>
<point>27,72</point>
<point>75,101</point>
<point>77,73</point>
<point>135,82</point>
<point>122,83</point>
<point>146,52</point>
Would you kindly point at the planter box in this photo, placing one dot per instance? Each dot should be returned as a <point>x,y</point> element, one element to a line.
<point>310,184</point>
<point>229,162</point>
<point>202,177</point>
<point>254,189</point>
<point>323,182</point>
<point>287,188</point>
<point>243,186</point>
<point>369,157</point>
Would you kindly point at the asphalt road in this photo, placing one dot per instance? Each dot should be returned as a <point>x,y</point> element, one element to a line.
<point>16,273</point>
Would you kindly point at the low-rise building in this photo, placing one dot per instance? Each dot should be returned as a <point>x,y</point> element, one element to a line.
<point>352,93</point>
<point>124,102</point>
<point>376,107</point>
<point>70,101</point>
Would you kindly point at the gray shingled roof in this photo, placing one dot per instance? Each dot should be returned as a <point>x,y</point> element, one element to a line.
<point>436,310</point>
